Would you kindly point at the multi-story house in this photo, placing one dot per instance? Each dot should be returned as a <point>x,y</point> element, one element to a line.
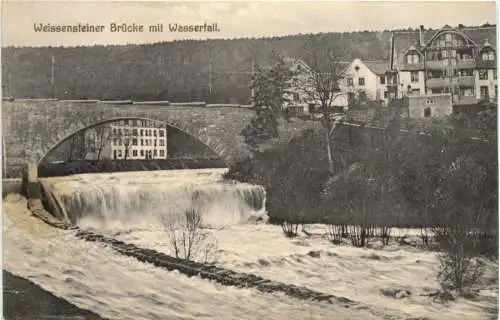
<point>366,80</point>
<point>300,95</point>
<point>137,139</point>
<point>125,139</point>
<point>460,61</point>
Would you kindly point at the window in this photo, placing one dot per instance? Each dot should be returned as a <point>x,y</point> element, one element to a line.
<point>350,82</point>
<point>162,153</point>
<point>430,101</point>
<point>382,79</point>
<point>134,153</point>
<point>386,94</point>
<point>465,72</point>
<point>114,154</point>
<point>488,55</point>
<point>141,132</point>
<point>494,74</point>
<point>415,92</point>
<point>134,142</point>
<point>115,142</point>
<point>119,153</point>
<point>155,154</point>
<point>134,132</point>
<point>142,142</point>
<point>162,142</point>
<point>162,133</point>
<point>412,58</point>
<point>361,81</point>
<point>154,141</point>
<point>414,76</point>
<point>154,132</point>
<point>427,112</point>
<point>483,74</point>
<point>484,91</point>
<point>295,96</point>
<point>142,153</point>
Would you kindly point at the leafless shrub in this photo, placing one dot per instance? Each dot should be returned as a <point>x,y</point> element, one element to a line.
<point>289,229</point>
<point>425,236</point>
<point>459,269</point>
<point>385,235</point>
<point>335,233</point>
<point>360,234</point>
<point>188,241</point>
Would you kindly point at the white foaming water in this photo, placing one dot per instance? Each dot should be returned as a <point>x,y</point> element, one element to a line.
<point>151,200</point>
<point>95,277</point>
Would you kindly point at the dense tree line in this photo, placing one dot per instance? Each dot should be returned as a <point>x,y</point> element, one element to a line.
<point>175,71</point>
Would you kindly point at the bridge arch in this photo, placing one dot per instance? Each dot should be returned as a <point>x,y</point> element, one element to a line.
<point>77,127</point>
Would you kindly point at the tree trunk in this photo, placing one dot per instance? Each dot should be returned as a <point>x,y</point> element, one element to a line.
<point>329,150</point>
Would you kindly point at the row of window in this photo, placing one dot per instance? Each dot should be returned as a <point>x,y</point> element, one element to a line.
<point>414,58</point>
<point>148,154</point>
<point>361,81</point>
<point>415,78</point>
<point>135,142</point>
<point>135,123</point>
<point>483,74</point>
<point>139,132</point>
<point>483,92</point>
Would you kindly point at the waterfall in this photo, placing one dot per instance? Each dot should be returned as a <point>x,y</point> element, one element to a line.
<point>151,200</point>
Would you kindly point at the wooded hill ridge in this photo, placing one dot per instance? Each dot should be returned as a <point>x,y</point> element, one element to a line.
<point>175,71</point>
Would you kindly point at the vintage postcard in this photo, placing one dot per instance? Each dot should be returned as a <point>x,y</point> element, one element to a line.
<point>249,160</point>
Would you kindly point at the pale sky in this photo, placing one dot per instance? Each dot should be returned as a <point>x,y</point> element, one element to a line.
<point>234,19</point>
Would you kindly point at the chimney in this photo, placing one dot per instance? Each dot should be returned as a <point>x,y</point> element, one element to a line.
<point>421,35</point>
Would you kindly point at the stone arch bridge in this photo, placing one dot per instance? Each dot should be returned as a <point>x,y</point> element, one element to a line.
<point>33,128</point>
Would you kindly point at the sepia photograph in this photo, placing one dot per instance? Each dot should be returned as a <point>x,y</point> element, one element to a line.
<point>281,160</point>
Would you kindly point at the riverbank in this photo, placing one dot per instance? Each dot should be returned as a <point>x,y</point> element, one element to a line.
<point>22,299</point>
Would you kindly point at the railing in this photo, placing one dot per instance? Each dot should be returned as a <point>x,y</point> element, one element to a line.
<point>443,64</point>
<point>463,81</point>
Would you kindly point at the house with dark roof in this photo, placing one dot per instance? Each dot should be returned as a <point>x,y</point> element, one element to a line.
<point>460,61</point>
<point>366,80</point>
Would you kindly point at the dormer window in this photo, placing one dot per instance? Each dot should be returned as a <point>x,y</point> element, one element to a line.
<point>488,55</point>
<point>412,57</point>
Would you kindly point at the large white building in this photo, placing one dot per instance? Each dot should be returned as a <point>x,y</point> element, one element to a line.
<point>460,61</point>
<point>137,139</point>
<point>126,139</point>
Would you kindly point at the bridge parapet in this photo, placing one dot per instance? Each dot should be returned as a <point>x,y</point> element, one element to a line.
<point>31,128</point>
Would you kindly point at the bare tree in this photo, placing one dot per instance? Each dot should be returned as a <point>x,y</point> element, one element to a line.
<point>103,137</point>
<point>321,86</point>
<point>187,240</point>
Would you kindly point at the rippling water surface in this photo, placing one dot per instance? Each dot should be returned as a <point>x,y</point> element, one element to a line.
<point>134,207</point>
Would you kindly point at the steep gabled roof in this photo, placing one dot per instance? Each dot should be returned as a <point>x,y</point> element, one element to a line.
<point>378,67</point>
<point>481,34</point>
<point>403,40</point>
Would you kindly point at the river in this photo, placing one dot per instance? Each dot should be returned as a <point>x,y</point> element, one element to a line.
<point>95,277</point>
